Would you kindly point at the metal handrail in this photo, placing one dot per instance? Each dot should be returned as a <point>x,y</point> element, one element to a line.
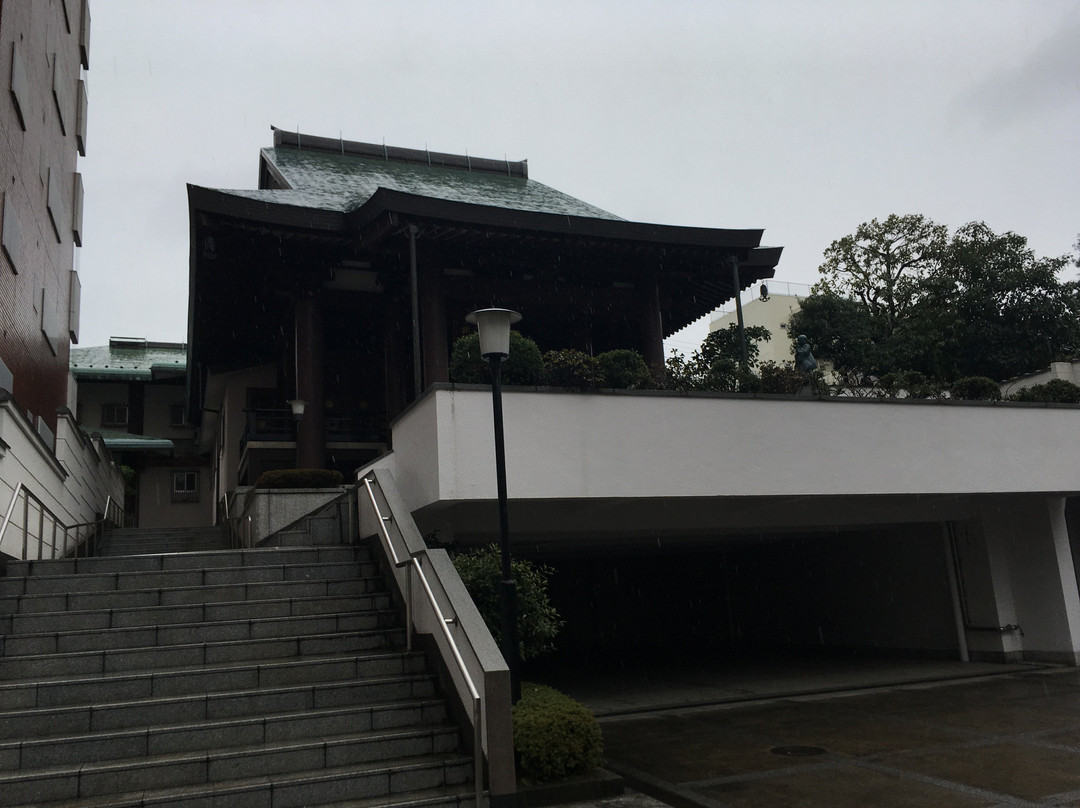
<point>445,623</point>
<point>112,508</point>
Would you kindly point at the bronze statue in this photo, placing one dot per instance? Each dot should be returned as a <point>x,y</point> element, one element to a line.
<point>804,360</point>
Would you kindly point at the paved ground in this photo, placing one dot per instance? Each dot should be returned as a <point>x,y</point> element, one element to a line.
<point>1011,740</point>
<point>998,739</point>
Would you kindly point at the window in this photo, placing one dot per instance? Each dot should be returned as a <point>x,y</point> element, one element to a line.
<point>177,416</point>
<point>185,486</point>
<point>114,414</point>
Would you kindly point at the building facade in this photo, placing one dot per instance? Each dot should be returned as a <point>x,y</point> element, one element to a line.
<point>344,280</point>
<point>131,393</point>
<point>44,49</point>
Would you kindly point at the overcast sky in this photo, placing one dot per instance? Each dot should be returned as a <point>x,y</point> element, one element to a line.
<point>802,118</point>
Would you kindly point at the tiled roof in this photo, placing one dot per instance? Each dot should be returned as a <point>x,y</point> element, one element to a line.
<point>129,360</point>
<point>343,182</point>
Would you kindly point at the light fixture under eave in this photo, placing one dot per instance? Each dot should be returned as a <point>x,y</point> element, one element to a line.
<point>297,406</point>
<point>764,293</point>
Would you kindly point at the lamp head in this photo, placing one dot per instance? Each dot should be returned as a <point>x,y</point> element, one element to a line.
<point>493,325</point>
<point>297,406</point>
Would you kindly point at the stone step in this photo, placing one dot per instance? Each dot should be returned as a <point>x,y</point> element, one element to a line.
<point>195,654</point>
<point>324,738</point>
<point>83,636</point>
<point>211,559</point>
<point>307,787</point>
<point>219,593</point>
<point>71,706</point>
<point>28,620</point>
<point>169,579</point>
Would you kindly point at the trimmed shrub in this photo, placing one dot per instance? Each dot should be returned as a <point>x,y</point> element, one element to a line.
<point>782,379</point>
<point>572,368</point>
<point>554,735</point>
<point>300,478</point>
<point>1056,391</point>
<point>908,384</point>
<point>538,621</point>
<point>623,369</point>
<point>524,366</point>
<point>976,388</point>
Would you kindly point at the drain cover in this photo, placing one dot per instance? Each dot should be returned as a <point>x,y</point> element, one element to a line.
<point>797,751</point>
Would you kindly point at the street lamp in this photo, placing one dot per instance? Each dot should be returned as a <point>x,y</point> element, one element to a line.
<point>297,405</point>
<point>493,326</point>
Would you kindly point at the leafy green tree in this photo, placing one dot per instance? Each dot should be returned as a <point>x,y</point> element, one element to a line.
<point>993,308</point>
<point>715,365</point>
<point>882,264</point>
<point>844,331</point>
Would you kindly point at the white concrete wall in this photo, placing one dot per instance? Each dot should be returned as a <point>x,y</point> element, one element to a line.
<point>74,483</point>
<point>570,445</point>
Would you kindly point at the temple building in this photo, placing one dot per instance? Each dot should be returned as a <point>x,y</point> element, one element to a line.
<point>343,281</point>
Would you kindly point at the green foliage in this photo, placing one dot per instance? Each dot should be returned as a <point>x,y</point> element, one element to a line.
<point>993,308</point>
<point>624,369</point>
<point>538,621</point>
<point>300,478</point>
<point>572,368</point>
<point>524,365</point>
<point>1056,391</point>
<point>908,384</point>
<point>901,295</point>
<point>975,388</point>
<point>554,735</point>
<point>131,480</point>
<point>844,331</point>
<point>715,365</point>
<point>787,380</point>
<point>881,265</point>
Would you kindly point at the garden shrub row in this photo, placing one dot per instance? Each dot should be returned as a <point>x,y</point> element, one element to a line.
<point>620,369</point>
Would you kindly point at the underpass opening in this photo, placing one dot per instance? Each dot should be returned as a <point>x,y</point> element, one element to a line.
<point>771,601</point>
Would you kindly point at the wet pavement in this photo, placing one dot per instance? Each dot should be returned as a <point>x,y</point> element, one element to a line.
<point>937,734</point>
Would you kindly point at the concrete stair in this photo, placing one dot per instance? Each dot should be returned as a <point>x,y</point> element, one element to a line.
<point>267,677</point>
<point>142,541</point>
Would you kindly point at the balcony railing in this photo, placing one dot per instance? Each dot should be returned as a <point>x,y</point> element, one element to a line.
<point>274,426</point>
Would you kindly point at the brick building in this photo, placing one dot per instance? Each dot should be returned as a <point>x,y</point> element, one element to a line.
<point>44,49</point>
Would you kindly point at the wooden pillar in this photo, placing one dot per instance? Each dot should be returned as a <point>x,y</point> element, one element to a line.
<point>652,333</point>
<point>311,431</point>
<point>436,347</point>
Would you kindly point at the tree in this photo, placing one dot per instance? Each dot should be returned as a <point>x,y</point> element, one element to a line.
<point>844,331</point>
<point>993,308</point>
<point>715,365</point>
<point>882,264</point>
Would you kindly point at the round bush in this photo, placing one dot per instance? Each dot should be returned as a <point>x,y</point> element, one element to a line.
<point>554,736</point>
<point>524,366</point>
<point>572,368</point>
<point>623,369</point>
<point>1057,391</point>
<point>976,388</point>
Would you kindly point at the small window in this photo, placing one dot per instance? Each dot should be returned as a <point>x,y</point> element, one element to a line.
<point>114,414</point>
<point>185,486</point>
<point>177,415</point>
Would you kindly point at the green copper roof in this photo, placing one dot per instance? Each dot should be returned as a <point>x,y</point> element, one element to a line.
<point>128,359</point>
<point>343,182</point>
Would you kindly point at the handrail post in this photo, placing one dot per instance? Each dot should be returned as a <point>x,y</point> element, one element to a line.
<point>26,524</point>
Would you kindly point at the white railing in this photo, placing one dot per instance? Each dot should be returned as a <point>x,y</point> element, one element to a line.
<point>448,613</point>
<point>60,539</point>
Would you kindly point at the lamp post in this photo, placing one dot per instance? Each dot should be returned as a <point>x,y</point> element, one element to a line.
<point>297,405</point>
<point>493,326</point>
